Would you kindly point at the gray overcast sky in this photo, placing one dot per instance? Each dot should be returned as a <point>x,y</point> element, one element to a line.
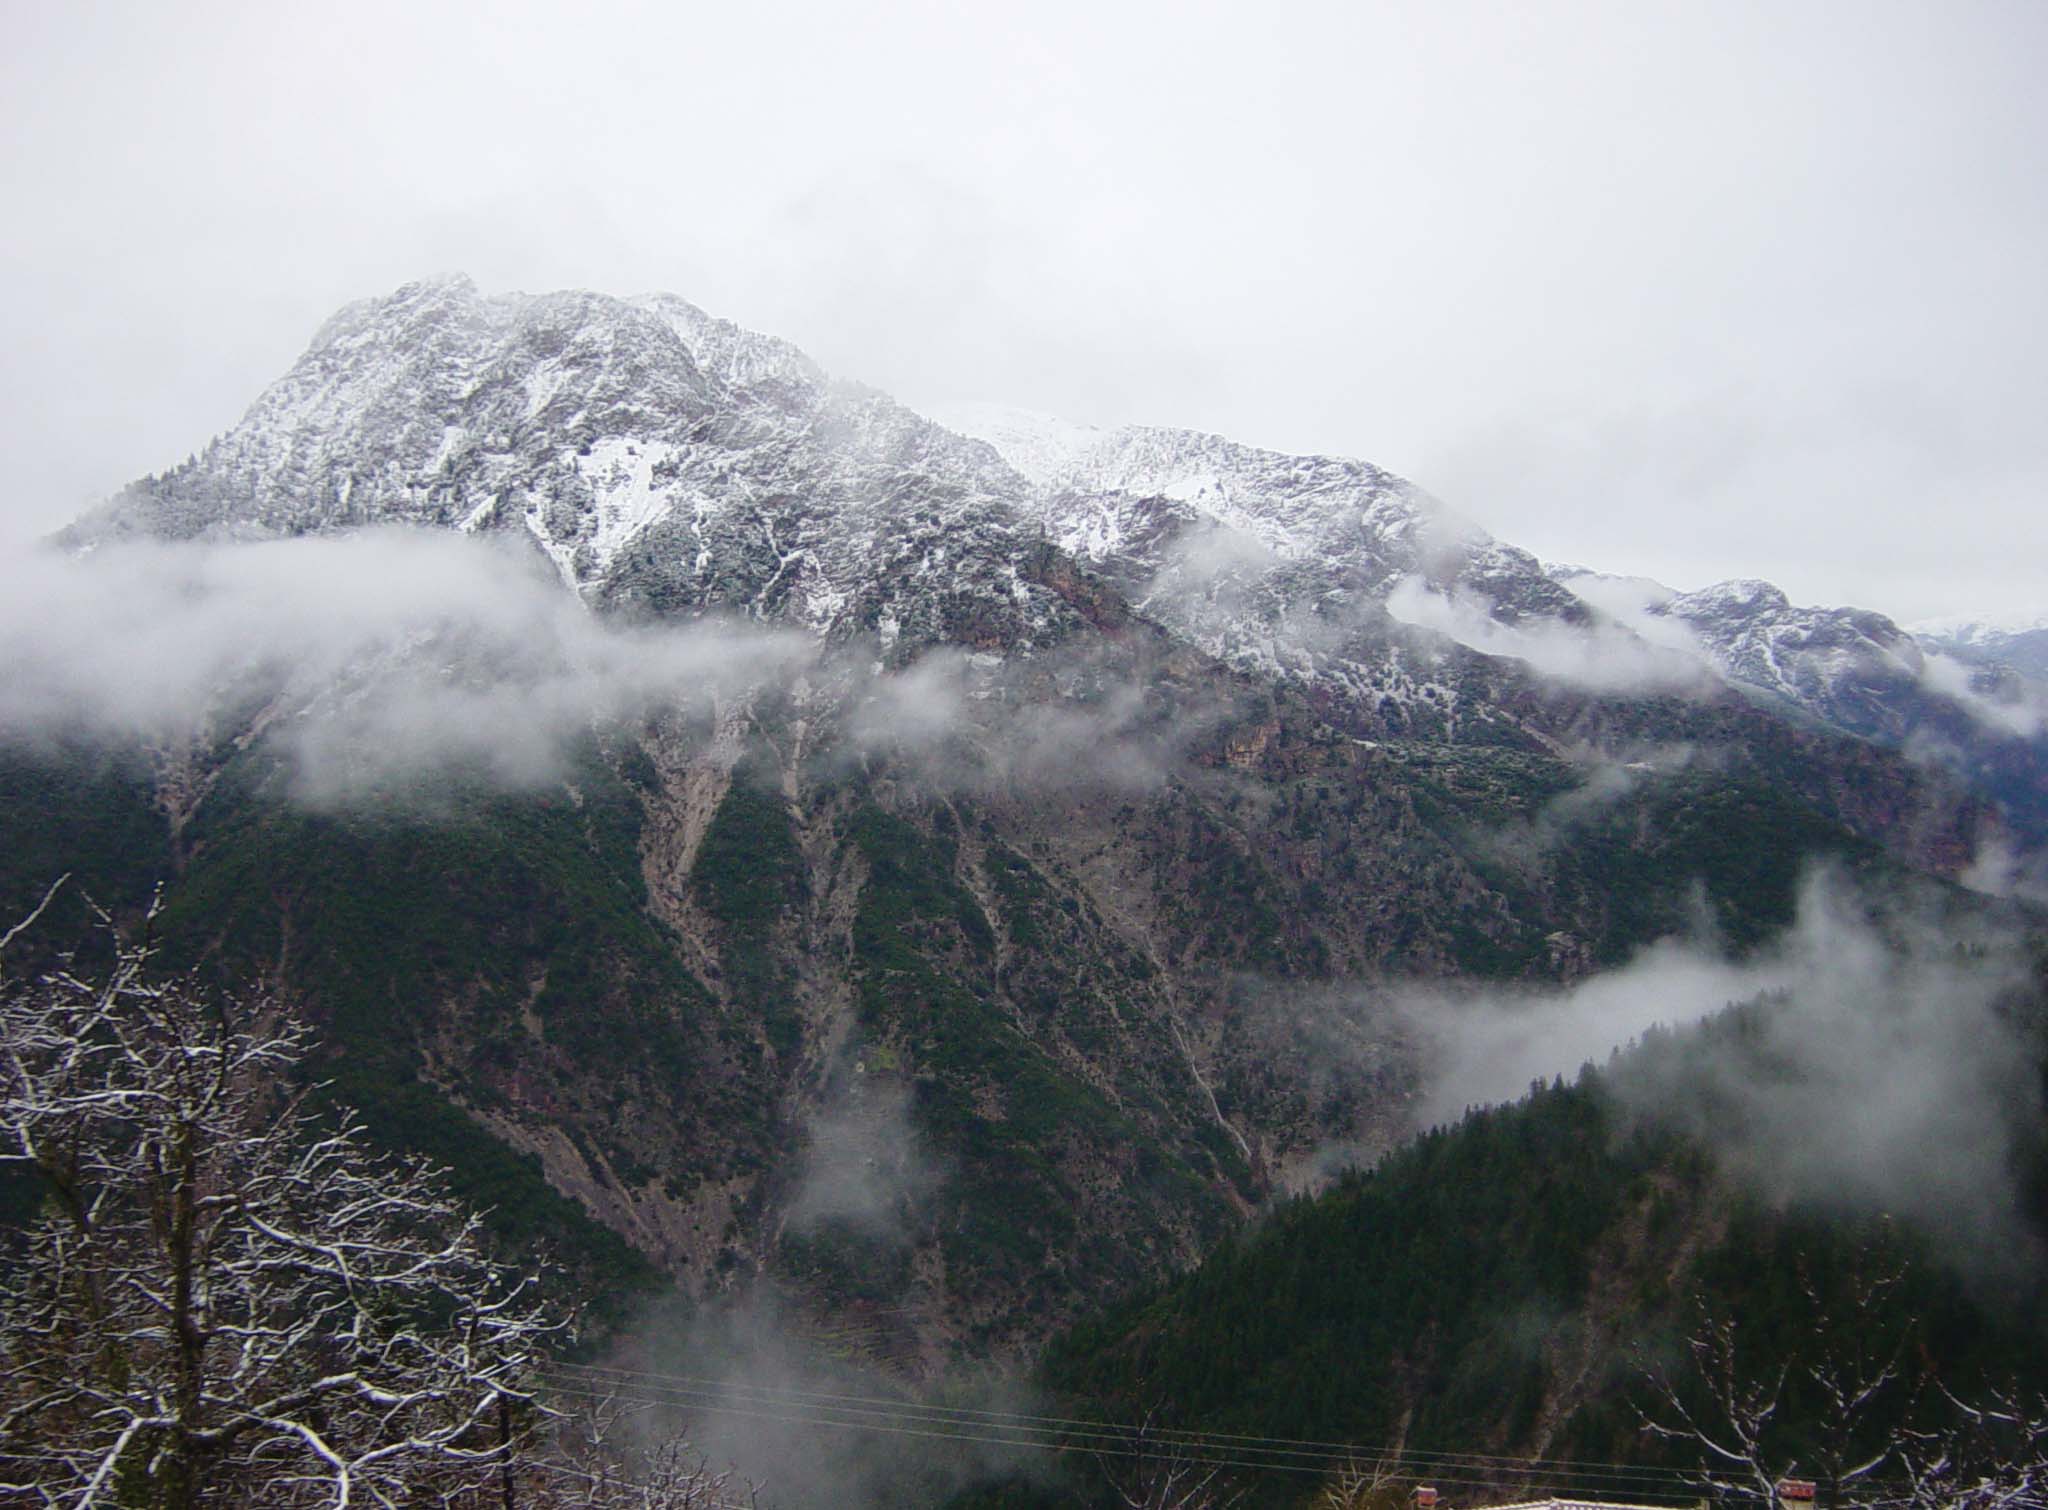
<point>1693,290</point>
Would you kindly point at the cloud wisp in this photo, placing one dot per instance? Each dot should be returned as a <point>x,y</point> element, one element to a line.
<point>865,1170</point>
<point>1883,1059</point>
<point>380,657</point>
<point>2004,704</point>
<point>1602,657</point>
<point>778,1396</point>
<point>374,656</point>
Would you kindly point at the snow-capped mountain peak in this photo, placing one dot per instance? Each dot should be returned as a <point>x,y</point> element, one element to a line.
<point>664,460</point>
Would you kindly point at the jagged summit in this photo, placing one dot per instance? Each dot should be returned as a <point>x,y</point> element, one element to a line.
<point>1281,565</point>
<point>1292,505</point>
<point>669,461</point>
<point>663,459</point>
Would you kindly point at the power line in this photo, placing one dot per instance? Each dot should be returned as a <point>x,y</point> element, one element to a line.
<point>1049,1444</point>
<point>1066,1433</point>
<point>699,1386</point>
<point>1128,1443</point>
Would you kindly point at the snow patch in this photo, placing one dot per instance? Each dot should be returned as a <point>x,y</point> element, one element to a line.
<point>620,472</point>
<point>452,437</point>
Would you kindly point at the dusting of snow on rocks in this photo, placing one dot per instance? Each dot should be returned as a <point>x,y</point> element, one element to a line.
<point>668,462</point>
<point>665,461</point>
<point>1279,564</point>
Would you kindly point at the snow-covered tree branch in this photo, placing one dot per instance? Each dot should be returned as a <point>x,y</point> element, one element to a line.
<point>226,1298</point>
<point>1847,1414</point>
<point>1992,1456</point>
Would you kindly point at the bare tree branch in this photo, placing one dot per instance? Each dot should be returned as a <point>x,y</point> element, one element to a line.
<point>30,921</point>
<point>227,1300</point>
<point>1730,1426</point>
<point>1153,1470</point>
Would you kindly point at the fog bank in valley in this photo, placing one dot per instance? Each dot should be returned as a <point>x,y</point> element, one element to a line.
<point>1888,1055</point>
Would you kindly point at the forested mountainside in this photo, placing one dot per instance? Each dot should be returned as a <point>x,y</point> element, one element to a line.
<point>1497,1307</point>
<point>962,1046</point>
<point>763,840</point>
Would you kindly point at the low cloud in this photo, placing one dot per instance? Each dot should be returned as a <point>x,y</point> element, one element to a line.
<point>759,1386</point>
<point>2004,703</point>
<point>865,1170</point>
<point>1887,1058</point>
<point>1211,558</point>
<point>1602,657</point>
<point>1998,869</point>
<point>378,655</point>
<point>374,658</point>
<point>1487,1047</point>
<point>1063,720</point>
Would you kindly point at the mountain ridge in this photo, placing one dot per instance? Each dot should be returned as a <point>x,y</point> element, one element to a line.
<point>629,436</point>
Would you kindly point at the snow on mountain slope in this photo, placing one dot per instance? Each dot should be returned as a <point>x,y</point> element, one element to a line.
<point>1039,446</point>
<point>664,460</point>
<point>1851,668</point>
<point>1846,665</point>
<point>1280,564</point>
<point>667,461</point>
<point>1106,492</point>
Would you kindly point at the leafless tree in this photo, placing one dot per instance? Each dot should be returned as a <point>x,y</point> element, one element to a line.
<point>1857,1400</point>
<point>595,1460</point>
<point>1380,1484</point>
<point>1857,1367</point>
<point>1726,1416</point>
<point>1851,1362</point>
<point>227,1299</point>
<point>1992,1456</point>
<point>1156,1469</point>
